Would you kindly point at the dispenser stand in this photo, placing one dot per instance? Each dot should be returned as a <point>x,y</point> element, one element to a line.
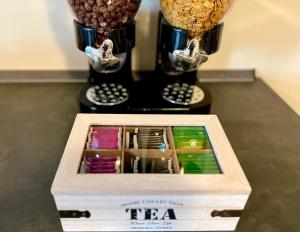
<point>160,91</point>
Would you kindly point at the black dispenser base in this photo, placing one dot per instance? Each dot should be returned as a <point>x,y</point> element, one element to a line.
<point>145,97</point>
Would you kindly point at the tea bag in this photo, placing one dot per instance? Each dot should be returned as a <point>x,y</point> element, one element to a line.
<point>144,165</point>
<point>190,137</point>
<point>198,163</point>
<point>104,138</point>
<point>150,138</point>
<point>101,164</point>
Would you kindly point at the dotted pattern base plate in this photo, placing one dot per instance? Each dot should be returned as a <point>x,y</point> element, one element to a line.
<point>183,94</point>
<point>107,94</point>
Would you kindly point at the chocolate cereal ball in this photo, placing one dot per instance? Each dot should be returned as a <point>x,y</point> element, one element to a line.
<point>104,15</point>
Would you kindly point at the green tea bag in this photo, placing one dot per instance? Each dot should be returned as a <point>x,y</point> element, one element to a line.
<point>200,171</point>
<point>198,163</point>
<point>190,137</point>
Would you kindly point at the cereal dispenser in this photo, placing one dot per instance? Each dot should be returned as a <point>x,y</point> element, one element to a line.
<point>105,31</point>
<point>190,31</point>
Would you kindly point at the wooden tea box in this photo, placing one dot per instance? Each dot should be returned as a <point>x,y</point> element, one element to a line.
<point>149,173</point>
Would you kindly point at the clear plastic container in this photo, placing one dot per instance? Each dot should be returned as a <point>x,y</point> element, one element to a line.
<point>104,15</point>
<point>197,17</point>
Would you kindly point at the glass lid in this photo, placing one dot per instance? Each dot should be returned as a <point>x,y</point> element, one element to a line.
<point>148,150</point>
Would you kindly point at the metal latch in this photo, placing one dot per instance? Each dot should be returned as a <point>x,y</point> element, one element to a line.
<point>226,213</point>
<point>74,214</point>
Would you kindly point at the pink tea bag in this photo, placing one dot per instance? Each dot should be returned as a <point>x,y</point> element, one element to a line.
<point>97,158</point>
<point>104,138</point>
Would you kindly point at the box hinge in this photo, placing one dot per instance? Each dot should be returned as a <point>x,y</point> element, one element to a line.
<point>74,214</point>
<point>226,213</point>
